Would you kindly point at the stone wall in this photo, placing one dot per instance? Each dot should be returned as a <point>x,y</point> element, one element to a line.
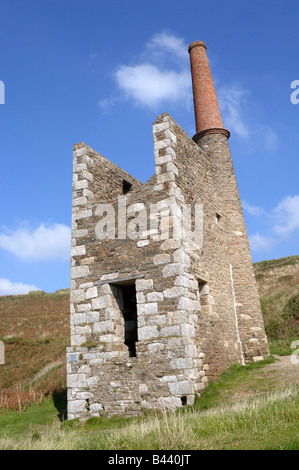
<point>246,299</point>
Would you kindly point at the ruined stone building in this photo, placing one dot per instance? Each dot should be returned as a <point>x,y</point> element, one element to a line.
<point>163,293</point>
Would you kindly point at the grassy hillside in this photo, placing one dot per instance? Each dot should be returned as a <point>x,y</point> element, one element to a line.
<point>35,331</point>
<point>278,285</point>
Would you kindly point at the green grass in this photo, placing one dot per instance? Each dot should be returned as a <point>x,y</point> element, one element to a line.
<point>220,392</point>
<point>268,422</point>
<point>281,347</point>
<point>281,314</point>
<point>279,296</point>
<point>280,262</point>
<point>16,424</point>
<point>259,276</point>
<point>216,421</point>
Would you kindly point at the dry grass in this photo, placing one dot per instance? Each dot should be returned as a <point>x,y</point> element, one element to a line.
<point>35,332</point>
<point>250,423</point>
<point>54,438</point>
<point>265,422</point>
<point>278,285</point>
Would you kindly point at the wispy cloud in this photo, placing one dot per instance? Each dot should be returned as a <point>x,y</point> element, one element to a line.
<point>261,243</point>
<point>107,103</point>
<point>93,56</point>
<point>236,109</point>
<point>287,216</point>
<point>42,243</point>
<point>253,210</point>
<point>283,222</point>
<point>269,137</point>
<point>168,45</point>
<point>14,288</point>
<point>232,99</point>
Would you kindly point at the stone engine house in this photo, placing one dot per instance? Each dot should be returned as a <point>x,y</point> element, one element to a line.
<point>163,293</point>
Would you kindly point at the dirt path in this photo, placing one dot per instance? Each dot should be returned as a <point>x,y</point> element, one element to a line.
<point>282,373</point>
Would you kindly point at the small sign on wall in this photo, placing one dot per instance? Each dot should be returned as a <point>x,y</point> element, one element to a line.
<point>73,357</point>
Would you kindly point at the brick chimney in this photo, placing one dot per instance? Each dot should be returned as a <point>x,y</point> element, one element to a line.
<point>208,118</point>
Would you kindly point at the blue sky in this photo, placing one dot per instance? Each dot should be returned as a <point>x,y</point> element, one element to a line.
<point>100,71</point>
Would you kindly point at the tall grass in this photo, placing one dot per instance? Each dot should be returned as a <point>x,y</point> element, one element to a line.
<point>268,421</point>
<point>35,332</point>
<point>272,418</point>
<point>54,438</point>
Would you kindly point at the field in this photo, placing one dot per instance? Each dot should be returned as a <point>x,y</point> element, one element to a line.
<point>35,331</point>
<point>278,284</point>
<point>252,407</point>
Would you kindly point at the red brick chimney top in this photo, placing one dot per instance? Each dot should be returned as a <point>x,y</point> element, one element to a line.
<point>208,118</point>
<point>196,44</point>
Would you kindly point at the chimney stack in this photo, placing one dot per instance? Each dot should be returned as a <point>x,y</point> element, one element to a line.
<point>208,118</point>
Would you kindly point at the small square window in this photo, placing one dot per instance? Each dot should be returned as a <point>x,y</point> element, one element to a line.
<point>126,186</point>
<point>201,285</point>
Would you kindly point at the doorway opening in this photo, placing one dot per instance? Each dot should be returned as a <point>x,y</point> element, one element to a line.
<point>126,296</point>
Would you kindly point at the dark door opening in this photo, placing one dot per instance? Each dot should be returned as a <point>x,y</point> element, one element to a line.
<point>129,310</point>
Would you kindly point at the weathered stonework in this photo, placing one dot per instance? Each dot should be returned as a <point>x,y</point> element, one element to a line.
<point>158,314</point>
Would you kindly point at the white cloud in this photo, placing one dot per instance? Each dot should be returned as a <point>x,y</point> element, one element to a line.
<point>253,210</point>
<point>166,43</point>
<point>150,86</point>
<point>284,220</point>
<point>287,215</point>
<point>261,243</point>
<point>107,103</point>
<point>231,102</point>
<point>43,243</point>
<point>14,288</point>
<point>160,74</point>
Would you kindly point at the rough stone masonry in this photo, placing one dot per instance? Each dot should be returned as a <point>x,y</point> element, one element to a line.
<point>163,293</point>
